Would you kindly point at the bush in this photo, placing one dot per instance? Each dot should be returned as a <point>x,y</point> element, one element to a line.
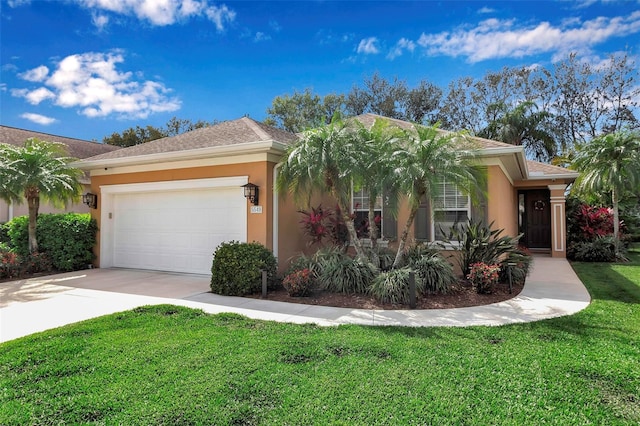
<point>345,275</point>
<point>483,277</point>
<point>35,263</point>
<point>9,264</point>
<point>601,249</point>
<point>417,252</point>
<point>299,283</point>
<point>434,273</point>
<point>392,286</point>
<point>4,234</point>
<point>478,243</point>
<point>236,268</point>
<point>517,265</point>
<point>67,238</point>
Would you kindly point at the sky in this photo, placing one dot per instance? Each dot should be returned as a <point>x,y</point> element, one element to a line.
<point>89,68</point>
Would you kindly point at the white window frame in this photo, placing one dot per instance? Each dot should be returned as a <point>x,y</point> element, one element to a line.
<point>435,210</point>
<point>365,208</point>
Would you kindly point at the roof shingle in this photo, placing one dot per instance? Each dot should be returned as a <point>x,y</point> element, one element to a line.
<point>77,148</point>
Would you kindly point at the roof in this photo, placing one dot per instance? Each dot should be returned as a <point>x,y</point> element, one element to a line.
<point>77,148</point>
<point>236,132</point>
<point>548,170</point>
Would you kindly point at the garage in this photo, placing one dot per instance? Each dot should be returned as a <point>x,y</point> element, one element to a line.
<point>172,226</point>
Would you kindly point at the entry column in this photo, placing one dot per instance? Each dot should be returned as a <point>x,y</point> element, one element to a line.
<point>558,221</point>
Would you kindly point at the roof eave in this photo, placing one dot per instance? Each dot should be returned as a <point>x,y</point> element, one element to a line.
<point>270,146</point>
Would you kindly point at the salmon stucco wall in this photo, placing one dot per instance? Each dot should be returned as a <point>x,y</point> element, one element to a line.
<point>502,202</point>
<point>259,225</point>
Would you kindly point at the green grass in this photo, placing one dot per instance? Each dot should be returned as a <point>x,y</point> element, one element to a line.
<point>171,365</point>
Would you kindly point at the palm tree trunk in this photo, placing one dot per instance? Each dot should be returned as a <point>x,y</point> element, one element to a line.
<point>373,234</point>
<point>616,219</point>
<point>403,238</point>
<point>34,205</point>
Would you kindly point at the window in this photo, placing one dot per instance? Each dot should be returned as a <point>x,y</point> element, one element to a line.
<point>450,207</point>
<point>360,206</point>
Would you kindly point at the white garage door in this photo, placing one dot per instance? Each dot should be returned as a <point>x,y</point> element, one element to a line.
<point>176,230</point>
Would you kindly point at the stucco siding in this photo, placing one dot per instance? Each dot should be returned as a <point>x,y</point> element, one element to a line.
<point>502,203</point>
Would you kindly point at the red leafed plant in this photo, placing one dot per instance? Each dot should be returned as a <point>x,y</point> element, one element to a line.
<point>483,276</point>
<point>299,283</point>
<point>324,224</point>
<point>595,221</point>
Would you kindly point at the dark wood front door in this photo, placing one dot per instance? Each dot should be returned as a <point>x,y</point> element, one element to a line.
<point>537,230</point>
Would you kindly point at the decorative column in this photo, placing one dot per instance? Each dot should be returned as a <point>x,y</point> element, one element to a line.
<point>558,221</point>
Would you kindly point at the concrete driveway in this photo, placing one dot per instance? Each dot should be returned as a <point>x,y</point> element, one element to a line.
<point>37,304</point>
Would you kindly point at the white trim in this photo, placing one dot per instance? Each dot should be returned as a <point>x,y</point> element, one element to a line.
<point>275,210</point>
<point>187,164</point>
<point>108,192</point>
<point>558,218</point>
<point>495,161</point>
<point>559,187</point>
<point>190,154</point>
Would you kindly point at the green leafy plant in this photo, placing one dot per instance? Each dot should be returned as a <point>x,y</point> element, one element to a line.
<point>299,283</point>
<point>237,268</point>
<point>66,238</point>
<point>416,252</point>
<point>345,275</point>
<point>435,273</point>
<point>516,265</point>
<point>392,286</point>
<point>478,243</point>
<point>35,263</point>
<point>483,277</point>
<point>600,249</point>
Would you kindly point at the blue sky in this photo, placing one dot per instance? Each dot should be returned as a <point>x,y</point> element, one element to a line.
<point>88,68</point>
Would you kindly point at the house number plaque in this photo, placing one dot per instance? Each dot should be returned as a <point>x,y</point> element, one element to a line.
<point>256,209</point>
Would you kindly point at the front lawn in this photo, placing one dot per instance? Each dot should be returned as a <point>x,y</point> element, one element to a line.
<point>172,365</point>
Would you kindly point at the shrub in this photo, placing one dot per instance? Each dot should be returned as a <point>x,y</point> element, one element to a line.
<point>236,268</point>
<point>324,224</point>
<point>601,249</point>
<point>4,234</point>
<point>478,243</point>
<point>483,277</point>
<point>9,264</point>
<point>435,274</point>
<point>517,264</point>
<point>303,262</point>
<point>35,263</point>
<point>392,286</point>
<point>299,283</point>
<point>67,238</point>
<point>417,252</point>
<point>345,275</point>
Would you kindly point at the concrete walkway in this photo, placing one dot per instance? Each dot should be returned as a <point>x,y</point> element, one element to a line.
<point>37,304</point>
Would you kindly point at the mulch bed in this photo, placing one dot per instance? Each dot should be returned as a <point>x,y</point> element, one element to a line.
<point>461,295</point>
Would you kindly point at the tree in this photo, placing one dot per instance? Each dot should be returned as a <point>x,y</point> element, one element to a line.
<point>424,158</point>
<point>38,170</point>
<point>609,163</point>
<point>138,135</point>
<point>523,126</point>
<point>378,96</point>
<point>303,111</point>
<point>373,171</point>
<point>323,160</point>
<point>423,103</point>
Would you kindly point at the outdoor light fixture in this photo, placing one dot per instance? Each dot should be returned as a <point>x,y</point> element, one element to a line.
<point>90,200</point>
<point>251,193</point>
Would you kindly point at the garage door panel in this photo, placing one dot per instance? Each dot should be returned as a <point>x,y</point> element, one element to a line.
<point>176,230</point>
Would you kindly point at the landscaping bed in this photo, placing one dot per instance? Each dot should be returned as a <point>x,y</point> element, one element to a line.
<point>460,295</point>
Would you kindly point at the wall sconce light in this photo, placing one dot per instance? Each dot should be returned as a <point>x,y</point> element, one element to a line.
<point>251,192</point>
<point>90,200</point>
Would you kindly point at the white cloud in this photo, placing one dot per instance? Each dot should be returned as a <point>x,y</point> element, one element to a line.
<point>92,83</point>
<point>99,20</point>
<point>260,36</point>
<point>402,45</point>
<point>17,3</point>
<point>495,38</point>
<point>160,12</point>
<point>37,74</point>
<point>368,46</point>
<point>485,9</point>
<point>39,119</point>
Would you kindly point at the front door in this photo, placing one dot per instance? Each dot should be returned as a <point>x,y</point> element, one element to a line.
<point>537,219</point>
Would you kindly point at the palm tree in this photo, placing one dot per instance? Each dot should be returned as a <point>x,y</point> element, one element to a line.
<point>609,163</point>
<point>423,160</point>
<point>523,126</point>
<point>38,170</point>
<point>374,170</point>
<point>323,160</point>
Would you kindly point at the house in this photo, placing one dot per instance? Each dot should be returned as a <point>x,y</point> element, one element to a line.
<point>76,148</point>
<point>167,204</point>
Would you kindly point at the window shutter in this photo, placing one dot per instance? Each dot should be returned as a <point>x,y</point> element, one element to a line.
<point>479,206</point>
<point>389,224</point>
<point>422,222</point>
